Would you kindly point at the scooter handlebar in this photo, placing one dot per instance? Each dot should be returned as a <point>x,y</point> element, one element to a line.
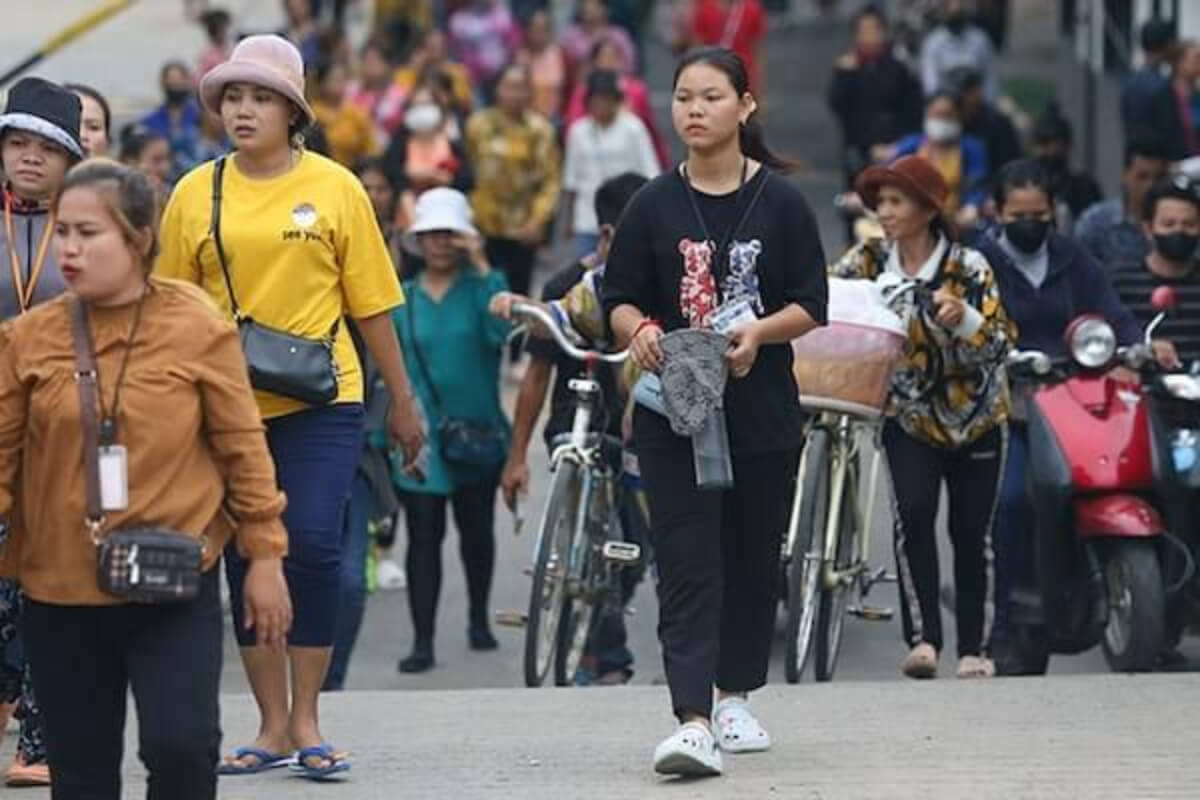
<point>1038,362</point>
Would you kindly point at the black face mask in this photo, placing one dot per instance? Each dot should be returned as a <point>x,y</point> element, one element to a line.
<point>1027,235</point>
<point>1177,246</point>
<point>177,97</point>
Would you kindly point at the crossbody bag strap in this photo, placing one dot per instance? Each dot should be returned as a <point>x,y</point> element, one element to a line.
<point>421,366</point>
<point>85,378</point>
<point>214,229</point>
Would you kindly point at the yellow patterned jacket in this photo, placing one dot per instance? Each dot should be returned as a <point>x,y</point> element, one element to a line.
<point>948,389</point>
<point>516,171</point>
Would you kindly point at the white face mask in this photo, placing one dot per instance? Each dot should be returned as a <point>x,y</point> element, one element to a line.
<point>423,118</point>
<point>942,130</point>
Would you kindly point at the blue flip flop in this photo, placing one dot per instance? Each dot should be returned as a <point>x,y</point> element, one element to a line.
<point>325,752</point>
<point>266,760</point>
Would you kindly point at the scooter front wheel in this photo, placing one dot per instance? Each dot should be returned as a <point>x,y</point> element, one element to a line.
<point>1135,632</point>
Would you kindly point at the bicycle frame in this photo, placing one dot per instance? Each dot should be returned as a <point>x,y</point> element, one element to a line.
<point>577,448</point>
<point>844,430</point>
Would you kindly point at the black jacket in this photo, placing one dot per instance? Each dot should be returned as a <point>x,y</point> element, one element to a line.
<point>998,134</point>
<point>1075,284</point>
<point>875,103</point>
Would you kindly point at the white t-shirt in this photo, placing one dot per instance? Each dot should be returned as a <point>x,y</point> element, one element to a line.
<point>596,154</point>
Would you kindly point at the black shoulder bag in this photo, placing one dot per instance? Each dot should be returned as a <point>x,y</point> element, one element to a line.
<point>141,565</point>
<point>465,444</point>
<point>279,362</point>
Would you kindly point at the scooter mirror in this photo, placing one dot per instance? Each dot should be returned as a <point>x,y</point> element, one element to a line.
<point>1164,299</point>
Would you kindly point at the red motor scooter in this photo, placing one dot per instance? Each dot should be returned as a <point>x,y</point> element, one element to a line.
<point>1098,532</point>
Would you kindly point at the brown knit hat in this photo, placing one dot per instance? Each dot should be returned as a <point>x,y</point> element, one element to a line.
<point>913,175</point>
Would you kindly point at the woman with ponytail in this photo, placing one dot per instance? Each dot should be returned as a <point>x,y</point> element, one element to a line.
<point>724,232</point>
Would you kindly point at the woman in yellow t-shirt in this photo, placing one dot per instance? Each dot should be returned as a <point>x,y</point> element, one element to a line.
<point>304,253</point>
<point>348,129</point>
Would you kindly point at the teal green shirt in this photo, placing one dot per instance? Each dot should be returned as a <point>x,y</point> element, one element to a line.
<point>462,345</point>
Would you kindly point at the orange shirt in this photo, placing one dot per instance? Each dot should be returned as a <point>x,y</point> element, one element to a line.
<point>197,453</point>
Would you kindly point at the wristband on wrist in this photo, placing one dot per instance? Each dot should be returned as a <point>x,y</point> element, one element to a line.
<point>645,323</point>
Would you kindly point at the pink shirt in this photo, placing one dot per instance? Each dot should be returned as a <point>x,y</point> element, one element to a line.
<point>211,56</point>
<point>484,41</point>
<point>637,100</point>
<point>578,44</point>
<point>385,107</point>
<point>548,70</point>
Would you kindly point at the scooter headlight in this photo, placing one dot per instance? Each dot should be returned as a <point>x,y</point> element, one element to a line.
<point>1092,342</point>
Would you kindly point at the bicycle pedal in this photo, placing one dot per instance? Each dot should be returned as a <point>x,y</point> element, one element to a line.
<point>873,613</point>
<point>511,619</point>
<point>622,552</point>
<point>881,575</point>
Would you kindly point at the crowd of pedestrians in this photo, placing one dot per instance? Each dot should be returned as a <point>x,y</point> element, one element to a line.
<point>362,221</point>
<point>1038,244</point>
<point>430,165</point>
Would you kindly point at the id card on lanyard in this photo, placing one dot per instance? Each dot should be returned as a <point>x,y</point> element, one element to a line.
<point>25,291</point>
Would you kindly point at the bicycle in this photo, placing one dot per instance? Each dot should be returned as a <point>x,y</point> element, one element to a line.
<point>834,558</point>
<point>576,557</point>
<point>826,550</point>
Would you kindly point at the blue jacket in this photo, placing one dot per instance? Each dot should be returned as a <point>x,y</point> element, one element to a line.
<point>974,165</point>
<point>185,141</point>
<point>1075,284</point>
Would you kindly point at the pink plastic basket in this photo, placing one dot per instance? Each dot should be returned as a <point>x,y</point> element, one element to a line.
<point>846,367</point>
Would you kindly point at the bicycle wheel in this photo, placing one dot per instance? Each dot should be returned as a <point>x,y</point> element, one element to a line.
<point>574,632</point>
<point>831,610</point>
<point>804,572</point>
<point>548,592</point>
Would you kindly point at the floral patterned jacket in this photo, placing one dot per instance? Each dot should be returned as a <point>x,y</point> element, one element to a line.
<point>948,390</point>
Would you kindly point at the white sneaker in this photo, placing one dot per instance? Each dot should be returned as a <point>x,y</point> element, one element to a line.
<point>690,751</point>
<point>390,577</point>
<point>737,729</point>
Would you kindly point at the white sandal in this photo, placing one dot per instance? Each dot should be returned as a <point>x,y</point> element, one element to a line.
<point>971,667</point>
<point>691,751</point>
<point>737,729</point>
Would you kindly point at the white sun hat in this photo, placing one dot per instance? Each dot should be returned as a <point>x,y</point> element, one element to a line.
<point>440,209</point>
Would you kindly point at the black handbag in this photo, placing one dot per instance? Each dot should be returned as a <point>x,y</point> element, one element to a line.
<point>465,444</point>
<point>279,362</point>
<point>141,565</point>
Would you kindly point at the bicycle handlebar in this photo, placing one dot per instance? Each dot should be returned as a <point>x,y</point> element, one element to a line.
<point>551,324</point>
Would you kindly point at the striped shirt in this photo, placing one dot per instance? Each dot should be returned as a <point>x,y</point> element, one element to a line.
<point>1135,283</point>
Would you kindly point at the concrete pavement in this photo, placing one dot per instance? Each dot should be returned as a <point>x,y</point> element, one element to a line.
<point>866,736</point>
<point>1099,738</point>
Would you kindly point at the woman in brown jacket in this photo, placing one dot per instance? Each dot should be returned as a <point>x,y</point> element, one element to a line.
<point>172,383</point>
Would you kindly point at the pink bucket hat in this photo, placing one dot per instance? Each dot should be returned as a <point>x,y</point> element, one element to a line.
<point>266,60</point>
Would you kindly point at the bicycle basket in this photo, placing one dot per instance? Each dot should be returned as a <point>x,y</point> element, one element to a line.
<point>847,366</point>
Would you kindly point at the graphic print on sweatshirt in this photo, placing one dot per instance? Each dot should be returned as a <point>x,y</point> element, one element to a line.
<point>697,289</point>
<point>742,280</point>
<point>698,297</point>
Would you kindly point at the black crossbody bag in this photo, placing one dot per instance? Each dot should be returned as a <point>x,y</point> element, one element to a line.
<point>142,565</point>
<point>465,444</point>
<point>279,362</point>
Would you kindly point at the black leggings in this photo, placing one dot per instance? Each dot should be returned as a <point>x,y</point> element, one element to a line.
<point>474,515</point>
<point>85,659</point>
<point>718,566</point>
<point>972,475</point>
